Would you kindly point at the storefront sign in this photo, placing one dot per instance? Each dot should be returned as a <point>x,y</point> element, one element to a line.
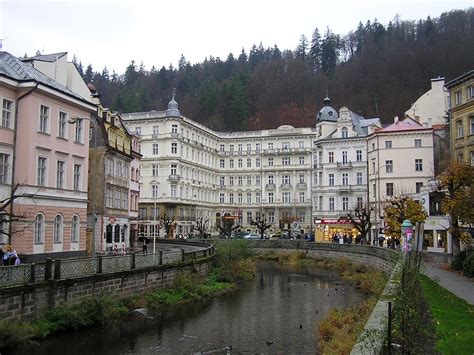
<point>332,221</point>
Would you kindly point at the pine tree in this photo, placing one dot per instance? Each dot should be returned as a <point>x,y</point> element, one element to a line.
<point>315,50</point>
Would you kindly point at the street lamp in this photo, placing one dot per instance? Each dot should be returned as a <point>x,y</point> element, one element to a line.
<point>75,120</point>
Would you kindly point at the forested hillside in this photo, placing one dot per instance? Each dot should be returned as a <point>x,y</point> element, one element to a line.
<point>376,70</point>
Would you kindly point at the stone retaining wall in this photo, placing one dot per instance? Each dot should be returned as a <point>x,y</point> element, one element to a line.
<point>29,301</point>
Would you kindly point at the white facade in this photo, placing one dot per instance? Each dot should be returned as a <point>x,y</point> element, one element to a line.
<point>190,171</point>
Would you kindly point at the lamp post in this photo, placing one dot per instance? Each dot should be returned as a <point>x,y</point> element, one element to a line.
<point>75,120</point>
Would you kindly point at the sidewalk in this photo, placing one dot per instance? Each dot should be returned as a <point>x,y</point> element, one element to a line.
<point>437,267</point>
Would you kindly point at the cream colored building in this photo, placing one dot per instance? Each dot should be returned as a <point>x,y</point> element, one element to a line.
<point>190,171</point>
<point>400,162</point>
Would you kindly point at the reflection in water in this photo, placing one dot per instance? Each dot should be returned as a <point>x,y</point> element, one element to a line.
<point>275,313</point>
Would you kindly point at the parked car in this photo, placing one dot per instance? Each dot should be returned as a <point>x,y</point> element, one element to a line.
<point>252,236</point>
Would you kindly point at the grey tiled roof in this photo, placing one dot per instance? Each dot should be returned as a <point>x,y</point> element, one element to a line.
<point>14,68</point>
<point>46,57</point>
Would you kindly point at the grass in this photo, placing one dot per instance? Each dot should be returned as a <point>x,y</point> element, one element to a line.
<point>453,319</point>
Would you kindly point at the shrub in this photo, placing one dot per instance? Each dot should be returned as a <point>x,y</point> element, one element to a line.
<point>233,250</point>
<point>468,265</point>
<point>458,260</point>
<point>14,333</point>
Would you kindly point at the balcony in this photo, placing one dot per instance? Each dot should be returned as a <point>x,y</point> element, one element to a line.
<point>317,166</point>
<point>175,135</point>
<point>301,185</point>
<point>285,185</point>
<point>344,188</point>
<point>270,186</point>
<point>344,164</point>
<point>174,177</point>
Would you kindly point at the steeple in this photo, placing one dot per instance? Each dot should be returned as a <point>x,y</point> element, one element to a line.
<point>172,110</point>
<point>327,113</point>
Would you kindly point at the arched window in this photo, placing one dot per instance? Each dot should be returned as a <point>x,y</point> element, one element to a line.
<point>344,132</point>
<point>58,229</point>
<point>75,229</point>
<point>39,229</point>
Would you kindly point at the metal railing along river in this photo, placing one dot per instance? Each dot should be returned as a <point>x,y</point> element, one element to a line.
<point>60,269</point>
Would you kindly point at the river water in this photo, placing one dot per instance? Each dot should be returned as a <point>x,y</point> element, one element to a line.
<point>273,314</point>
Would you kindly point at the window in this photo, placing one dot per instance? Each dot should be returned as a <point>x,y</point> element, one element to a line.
<point>345,203</point>
<point>374,191</point>
<point>239,163</point>
<point>301,160</point>
<point>249,197</point>
<point>270,179</point>
<point>285,160</point>
<point>222,181</point>
<point>270,161</point>
<point>239,180</point>
<point>257,162</point>
<point>155,148</point>
<point>389,188</point>
<point>417,143</point>
<point>344,157</point>
<point>418,164</point>
<point>286,197</point>
<point>359,178</point>
<point>345,179</point>
<point>249,217</point>
<point>249,162</point>
<point>58,229</point>
<point>41,178</point>
<point>174,129</point>
<point>249,147</point>
<point>344,132</point>
<point>331,204</point>
<point>79,129</point>
<point>44,119</point>
<point>75,229</point>
<point>239,198</point>
<point>285,145</point>
<point>62,125</point>
<point>222,163</point>
<point>472,158</point>
<point>389,166</point>
<point>174,148</point>
<point>331,179</point>
<point>221,198</point>
<point>240,147</point>
<point>471,125</point>
<point>301,176</point>
<point>257,147</point>
<point>173,191</point>
<point>388,144</point>
<point>231,147</point>
<point>270,146</point>
<point>221,148</point>
<point>138,131</point>
<point>231,197</point>
<point>154,169</point>
<point>301,144</point>
<point>331,157</point>
<point>271,217</point>
<point>77,177</point>
<point>457,97</point>
<point>249,180</point>
<point>373,146</point>
<point>154,190</point>
<point>231,163</point>
<point>470,92</point>
<point>174,169</point>
<point>6,113</point>
<point>39,229</point>
<point>359,155</point>
<point>459,128</point>
<point>270,197</point>
<point>360,202</point>
<point>4,162</point>
<point>156,131</point>
<point>418,187</point>
<point>320,178</point>
<point>302,196</point>
<point>285,179</point>
<point>60,174</point>
<point>231,181</point>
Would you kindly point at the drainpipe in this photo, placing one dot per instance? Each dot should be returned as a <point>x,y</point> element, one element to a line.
<point>15,133</point>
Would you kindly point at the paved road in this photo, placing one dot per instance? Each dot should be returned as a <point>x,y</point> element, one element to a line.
<point>436,266</point>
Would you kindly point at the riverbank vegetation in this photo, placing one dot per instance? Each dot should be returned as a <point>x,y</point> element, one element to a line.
<point>453,319</point>
<point>232,266</point>
<point>338,331</point>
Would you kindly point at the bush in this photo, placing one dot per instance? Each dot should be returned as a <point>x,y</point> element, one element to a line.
<point>231,250</point>
<point>468,265</point>
<point>458,260</point>
<point>13,334</point>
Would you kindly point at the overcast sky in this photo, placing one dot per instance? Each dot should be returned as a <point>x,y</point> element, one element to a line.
<point>113,32</point>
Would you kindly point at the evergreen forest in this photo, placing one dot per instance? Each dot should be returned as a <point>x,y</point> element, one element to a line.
<point>376,70</point>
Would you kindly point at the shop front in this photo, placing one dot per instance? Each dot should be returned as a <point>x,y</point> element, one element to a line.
<point>327,228</point>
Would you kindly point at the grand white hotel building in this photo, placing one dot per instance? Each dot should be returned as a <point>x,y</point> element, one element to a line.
<point>314,175</point>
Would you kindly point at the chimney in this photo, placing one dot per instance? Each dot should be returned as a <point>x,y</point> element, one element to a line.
<point>395,119</point>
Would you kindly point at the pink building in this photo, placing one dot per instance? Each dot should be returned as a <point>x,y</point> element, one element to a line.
<point>46,156</point>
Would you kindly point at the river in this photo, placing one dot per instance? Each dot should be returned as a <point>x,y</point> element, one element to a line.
<point>275,313</point>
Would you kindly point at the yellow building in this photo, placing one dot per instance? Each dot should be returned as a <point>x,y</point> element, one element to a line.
<point>461,117</point>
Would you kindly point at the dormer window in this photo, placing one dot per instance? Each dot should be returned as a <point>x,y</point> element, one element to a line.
<point>344,132</point>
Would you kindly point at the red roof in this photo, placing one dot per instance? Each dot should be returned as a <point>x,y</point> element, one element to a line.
<point>401,126</point>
